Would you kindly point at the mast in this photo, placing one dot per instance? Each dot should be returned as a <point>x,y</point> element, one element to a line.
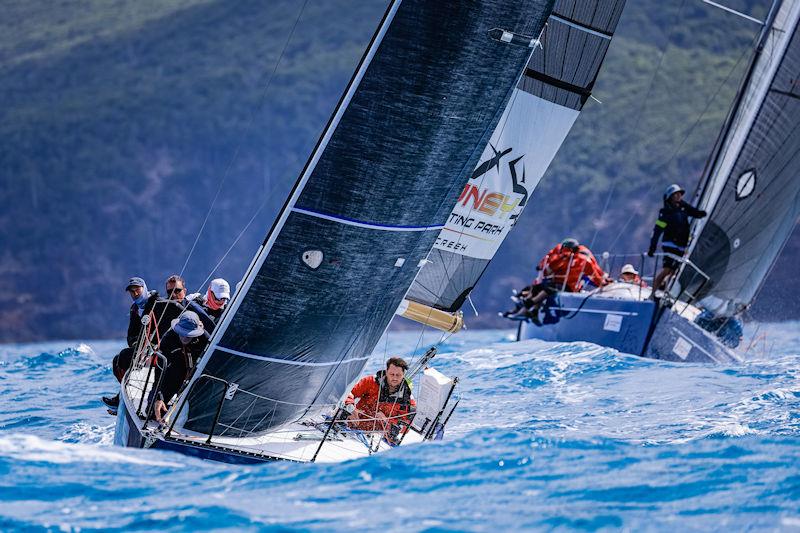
<point>702,193</point>
<point>752,192</point>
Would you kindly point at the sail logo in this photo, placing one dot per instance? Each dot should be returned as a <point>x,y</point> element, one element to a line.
<point>746,184</point>
<point>496,203</point>
<point>488,203</point>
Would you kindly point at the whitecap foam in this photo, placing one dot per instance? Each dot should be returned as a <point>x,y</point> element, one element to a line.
<point>32,448</point>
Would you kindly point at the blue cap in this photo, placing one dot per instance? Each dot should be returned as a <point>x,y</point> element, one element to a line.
<point>135,282</point>
<point>188,325</point>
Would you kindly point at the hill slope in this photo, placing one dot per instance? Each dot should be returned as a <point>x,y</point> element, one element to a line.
<point>122,120</point>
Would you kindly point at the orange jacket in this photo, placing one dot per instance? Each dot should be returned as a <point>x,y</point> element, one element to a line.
<point>373,396</point>
<point>562,265</point>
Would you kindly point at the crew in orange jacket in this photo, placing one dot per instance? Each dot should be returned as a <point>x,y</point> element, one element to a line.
<point>383,400</point>
<point>569,264</point>
<point>566,267</point>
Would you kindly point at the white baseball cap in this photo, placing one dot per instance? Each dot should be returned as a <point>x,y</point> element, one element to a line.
<point>220,288</point>
<point>628,269</point>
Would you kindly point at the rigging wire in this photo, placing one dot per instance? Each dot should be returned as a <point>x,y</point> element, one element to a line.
<point>688,134</point>
<point>638,123</point>
<point>247,129</point>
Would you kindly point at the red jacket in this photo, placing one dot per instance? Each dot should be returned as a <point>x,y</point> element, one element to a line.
<point>562,264</point>
<point>373,396</point>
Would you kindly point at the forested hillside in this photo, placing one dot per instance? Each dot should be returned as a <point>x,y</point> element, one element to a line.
<point>124,123</point>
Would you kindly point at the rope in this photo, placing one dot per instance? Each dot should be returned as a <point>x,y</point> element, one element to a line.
<point>239,144</point>
<point>686,137</point>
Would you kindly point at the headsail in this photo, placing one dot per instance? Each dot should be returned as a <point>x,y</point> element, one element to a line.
<point>554,86</point>
<point>753,189</point>
<point>365,212</point>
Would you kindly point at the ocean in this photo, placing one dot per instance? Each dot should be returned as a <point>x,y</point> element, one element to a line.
<point>547,436</point>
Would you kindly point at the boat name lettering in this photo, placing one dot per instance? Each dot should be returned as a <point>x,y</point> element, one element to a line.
<point>474,224</point>
<point>490,203</point>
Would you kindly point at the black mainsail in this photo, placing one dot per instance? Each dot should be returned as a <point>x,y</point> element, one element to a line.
<point>364,213</point>
<point>555,85</point>
<point>753,188</point>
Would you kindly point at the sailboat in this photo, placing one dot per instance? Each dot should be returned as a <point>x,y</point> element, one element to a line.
<point>351,238</point>
<point>751,190</point>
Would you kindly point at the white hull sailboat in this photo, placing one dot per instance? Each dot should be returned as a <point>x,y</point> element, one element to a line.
<point>350,240</point>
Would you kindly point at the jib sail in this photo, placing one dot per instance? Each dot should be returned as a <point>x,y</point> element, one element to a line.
<point>364,213</point>
<point>555,84</point>
<point>753,189</point>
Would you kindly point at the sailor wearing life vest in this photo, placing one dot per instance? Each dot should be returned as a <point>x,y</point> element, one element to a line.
<point>672,226</point>
<point>381,401</point>
<point>569,264</point>
<point>565,268</point>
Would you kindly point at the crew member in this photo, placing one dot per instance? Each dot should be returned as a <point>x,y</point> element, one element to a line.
<point>565,268</point>
<point>673,224</point>
<point>215,299</point>
<point>182,346</point>
<point>628,274</point>
<point>382,401</point>
<point>143,302</point>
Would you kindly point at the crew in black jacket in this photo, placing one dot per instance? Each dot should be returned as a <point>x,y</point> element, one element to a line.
<point>182,346</point>
<point>143,302</point>
<point>163,311</point>
<point>673,223</point>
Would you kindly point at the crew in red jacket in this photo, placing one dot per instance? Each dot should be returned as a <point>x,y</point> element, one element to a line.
<point>382,401</point>
<point>569,264</point>
<point>565,268</point>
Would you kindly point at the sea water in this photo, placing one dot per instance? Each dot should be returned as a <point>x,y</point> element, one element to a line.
<point>546,436</point>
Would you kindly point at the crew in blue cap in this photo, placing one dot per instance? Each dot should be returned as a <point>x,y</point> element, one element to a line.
<point>143,302</point>
<point>182,346</point>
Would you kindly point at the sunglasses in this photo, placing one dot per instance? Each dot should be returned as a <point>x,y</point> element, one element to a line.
<point>175,289</point>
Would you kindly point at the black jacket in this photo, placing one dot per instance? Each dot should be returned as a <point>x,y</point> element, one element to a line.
<point>165,311</point>
<point>673,223</point>
<point>181,358</point>
<point>135,319</point>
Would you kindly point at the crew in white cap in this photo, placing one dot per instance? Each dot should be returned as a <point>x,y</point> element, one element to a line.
<point>628,274</point>
<point>215,299</point>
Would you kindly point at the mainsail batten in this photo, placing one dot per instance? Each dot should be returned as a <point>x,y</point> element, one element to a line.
<point>366,212</point>
<point>555,85</point>
<point>753,192</point>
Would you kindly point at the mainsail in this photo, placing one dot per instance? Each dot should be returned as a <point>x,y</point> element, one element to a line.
<point>753,188</point>
<point>555,84</point>
<point>364,213</point>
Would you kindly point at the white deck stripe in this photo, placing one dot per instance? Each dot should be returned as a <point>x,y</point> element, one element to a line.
<point>579,27</point>
<point>364,224</point>
<point>597,311</point>
<point>286,361</point>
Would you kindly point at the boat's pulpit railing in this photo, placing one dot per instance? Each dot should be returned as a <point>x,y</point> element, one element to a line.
<point>225,394</point>
<point>143,378</point>
<point>612,264</point>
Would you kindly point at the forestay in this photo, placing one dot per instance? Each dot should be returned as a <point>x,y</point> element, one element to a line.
<point>365,212</point>
<point>555,85</point>
<point>753,190</point>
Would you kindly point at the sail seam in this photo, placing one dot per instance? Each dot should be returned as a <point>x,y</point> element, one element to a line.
<point>287,361</point>
<point>560,84</point>
<point>785,93</point>
<point>363,224</point>
<point>578,26</point>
